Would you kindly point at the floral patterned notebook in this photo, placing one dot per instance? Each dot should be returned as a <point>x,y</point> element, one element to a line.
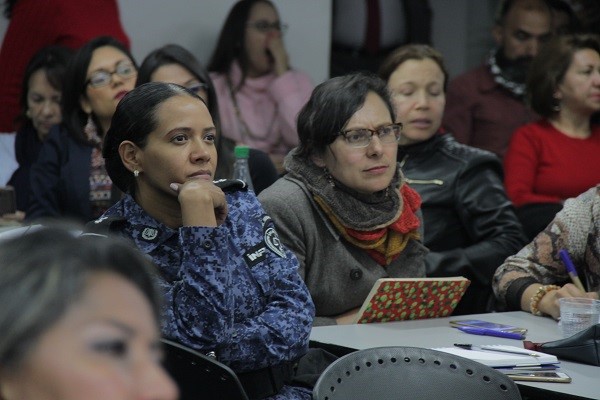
<point>399,299</point>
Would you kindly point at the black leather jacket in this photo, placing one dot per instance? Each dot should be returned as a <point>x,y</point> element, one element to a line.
<point>469,222</point>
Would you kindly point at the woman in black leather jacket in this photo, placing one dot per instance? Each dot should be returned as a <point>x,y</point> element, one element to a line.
<point>470,225</point>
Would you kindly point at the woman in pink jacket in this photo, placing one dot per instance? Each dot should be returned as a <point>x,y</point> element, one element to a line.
<point>259,95</point>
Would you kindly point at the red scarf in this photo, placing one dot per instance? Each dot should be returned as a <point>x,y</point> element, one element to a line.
<point>384,245</point>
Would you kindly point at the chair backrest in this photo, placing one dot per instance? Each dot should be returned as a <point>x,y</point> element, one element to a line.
<point>199,376</point>
<point>384,373</point>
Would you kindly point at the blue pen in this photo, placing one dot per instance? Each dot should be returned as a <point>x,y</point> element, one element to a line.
<point>564,255</point>
<point>491,332</point>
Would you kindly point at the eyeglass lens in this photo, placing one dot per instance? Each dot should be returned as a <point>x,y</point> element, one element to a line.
<point>362,137</point>
<point>265,26</point>
<point>101,78</point>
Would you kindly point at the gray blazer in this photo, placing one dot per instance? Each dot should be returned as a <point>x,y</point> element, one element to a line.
<point>339,275</point>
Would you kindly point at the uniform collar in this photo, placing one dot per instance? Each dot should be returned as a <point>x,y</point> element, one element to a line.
<point>147,233</point>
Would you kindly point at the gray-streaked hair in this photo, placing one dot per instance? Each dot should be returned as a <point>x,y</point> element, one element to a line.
<point>43,273</point>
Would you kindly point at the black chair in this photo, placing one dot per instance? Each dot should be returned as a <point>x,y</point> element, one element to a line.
<point>199,376</point>
<point>384,373</point>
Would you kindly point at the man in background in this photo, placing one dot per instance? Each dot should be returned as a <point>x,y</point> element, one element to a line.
<point>485,105</point>
<point>364,32</point>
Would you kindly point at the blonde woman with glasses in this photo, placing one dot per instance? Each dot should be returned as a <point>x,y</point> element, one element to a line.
<point>470,225</point>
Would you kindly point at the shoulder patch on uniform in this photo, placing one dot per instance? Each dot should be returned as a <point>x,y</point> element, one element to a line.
<point>255,254</point>
<point>149,234</point>
<point>271,238</point>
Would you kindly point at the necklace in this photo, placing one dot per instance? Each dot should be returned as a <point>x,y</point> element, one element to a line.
<point>245,131</point>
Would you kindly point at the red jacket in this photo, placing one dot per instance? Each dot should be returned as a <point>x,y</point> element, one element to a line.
<point>481,113</point>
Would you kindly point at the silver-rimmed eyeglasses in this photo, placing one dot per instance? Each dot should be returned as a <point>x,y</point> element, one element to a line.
<point>265,26</point>
<point>102,77</point>
<point>362,137</point>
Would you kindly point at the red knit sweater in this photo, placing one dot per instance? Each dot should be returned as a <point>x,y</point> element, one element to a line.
<point>543,165</point>
<point>35,24</point>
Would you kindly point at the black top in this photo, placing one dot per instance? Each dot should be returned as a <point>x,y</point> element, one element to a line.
<point>27,148</point>
<point>469,222</point>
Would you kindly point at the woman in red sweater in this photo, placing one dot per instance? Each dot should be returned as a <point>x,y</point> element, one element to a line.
<point>557,157</point>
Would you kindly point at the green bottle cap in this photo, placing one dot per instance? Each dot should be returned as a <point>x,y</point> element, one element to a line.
<point>241,151</point>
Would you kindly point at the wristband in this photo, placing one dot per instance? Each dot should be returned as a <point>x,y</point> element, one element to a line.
<point>535,299</point>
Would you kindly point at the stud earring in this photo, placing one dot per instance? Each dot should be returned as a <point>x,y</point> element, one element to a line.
<point>136,173</point>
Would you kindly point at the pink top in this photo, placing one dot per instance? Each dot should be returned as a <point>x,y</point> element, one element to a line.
<point>268,107</point>
<point>543,165</point>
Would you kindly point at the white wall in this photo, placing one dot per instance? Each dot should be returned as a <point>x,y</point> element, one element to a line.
<point>195,24</point>
<point>461,29</point>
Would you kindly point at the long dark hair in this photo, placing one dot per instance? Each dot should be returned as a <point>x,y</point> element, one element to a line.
<point>230,46</point>
<point>74,118</point>
<point>175,54</point>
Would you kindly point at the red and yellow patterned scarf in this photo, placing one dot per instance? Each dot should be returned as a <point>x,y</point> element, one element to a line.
<point>384,245</point>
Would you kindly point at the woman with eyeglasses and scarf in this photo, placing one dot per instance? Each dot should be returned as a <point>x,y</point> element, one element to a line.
<point>344,207</point>
<point>69,179</point>
<point>259,94</point>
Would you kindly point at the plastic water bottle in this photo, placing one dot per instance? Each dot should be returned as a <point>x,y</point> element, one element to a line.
<point>241,170</point>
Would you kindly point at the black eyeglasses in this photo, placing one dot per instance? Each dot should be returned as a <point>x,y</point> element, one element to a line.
<point>265,26</point>
<point>362,137</point>
<point>124,69</point>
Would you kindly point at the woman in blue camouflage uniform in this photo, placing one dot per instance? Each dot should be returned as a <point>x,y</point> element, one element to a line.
<point>231,287</point>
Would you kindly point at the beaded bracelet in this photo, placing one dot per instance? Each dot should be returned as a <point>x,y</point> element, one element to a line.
<point>535,299</point>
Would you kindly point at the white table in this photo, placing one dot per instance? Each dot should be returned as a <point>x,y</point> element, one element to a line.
<point>436,332</point>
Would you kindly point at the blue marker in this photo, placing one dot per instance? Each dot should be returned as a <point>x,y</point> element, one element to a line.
<point>564,256</point>
<point>492,332</point>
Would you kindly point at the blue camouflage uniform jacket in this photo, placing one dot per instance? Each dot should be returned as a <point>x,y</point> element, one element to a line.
<point>233,289</point>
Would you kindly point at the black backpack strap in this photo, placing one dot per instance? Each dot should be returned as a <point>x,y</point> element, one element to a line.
<point>231,185</point>
<point>105,225</point>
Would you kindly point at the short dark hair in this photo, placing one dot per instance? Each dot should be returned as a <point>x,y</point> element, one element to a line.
<point>332,104</point>
<point>134,120</point>
<point>549,67</point>
<point>412,52</point>
<point>53,61</point>
<point>230,45</point>
<point>74,118</point>
<point>43,273</point>
<point>505,6</point>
